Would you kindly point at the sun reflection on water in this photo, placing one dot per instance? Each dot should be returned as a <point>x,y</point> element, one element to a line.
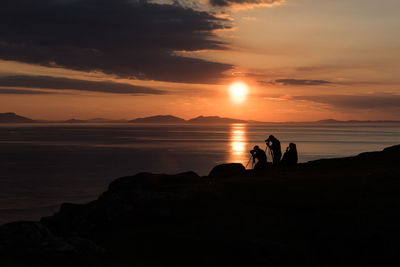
<point>238,143</point>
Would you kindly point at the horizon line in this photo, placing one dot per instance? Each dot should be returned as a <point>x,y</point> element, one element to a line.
<point>121,120</point>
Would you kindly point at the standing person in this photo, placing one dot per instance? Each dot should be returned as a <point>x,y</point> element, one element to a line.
<point>261,157</point>
<point>275,147</point>
<point>290,157</point>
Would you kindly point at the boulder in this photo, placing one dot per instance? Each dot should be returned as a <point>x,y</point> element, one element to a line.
<point>227,170</point>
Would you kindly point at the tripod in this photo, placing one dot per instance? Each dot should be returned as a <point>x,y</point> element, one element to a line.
<point>249,161</point>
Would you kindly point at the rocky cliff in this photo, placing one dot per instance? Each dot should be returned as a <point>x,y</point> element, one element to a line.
<point>327,212</point>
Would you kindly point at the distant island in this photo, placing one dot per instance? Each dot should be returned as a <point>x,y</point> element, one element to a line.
<point>199,119</point>
<point>332,121</point>
<point>159,119</point>
<point>11,117</point>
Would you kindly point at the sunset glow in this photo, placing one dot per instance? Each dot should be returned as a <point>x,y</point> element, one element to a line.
<point>304,60</point>
<point>238,92</point>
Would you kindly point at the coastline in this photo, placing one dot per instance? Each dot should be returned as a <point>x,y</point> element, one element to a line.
<point>332,211</point>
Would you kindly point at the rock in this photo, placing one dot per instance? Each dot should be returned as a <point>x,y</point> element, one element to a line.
<point>293,217</point>
<point>25,237</point>
<point>129,200</point>
<point>149,181</point>
<point>85,247</point>
<point>68,220</point>
<point>33,239</point>
<point>392,149</point>
<point>227,170</point>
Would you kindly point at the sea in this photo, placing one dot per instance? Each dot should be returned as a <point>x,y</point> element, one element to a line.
<point>44,165</point>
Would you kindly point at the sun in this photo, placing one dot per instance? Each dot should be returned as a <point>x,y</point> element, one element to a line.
<point>238,92</point>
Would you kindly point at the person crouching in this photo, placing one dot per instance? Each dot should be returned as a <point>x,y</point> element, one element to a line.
<point>261,157</point>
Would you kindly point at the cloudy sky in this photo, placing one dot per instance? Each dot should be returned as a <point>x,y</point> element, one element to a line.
<point>301,59</point>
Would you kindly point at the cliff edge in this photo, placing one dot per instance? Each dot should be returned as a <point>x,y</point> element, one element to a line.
<point>327,212</point>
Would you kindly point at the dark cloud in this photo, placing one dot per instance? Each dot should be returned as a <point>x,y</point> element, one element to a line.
<point>289,82</point>
<point>301,82</point>
<point>372,101</point>
<point>123,37</point>
<point>46,82</point>
<point>225,3</point>
<point>11,91</point>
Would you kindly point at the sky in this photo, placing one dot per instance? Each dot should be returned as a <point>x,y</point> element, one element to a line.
<point>300,60</point>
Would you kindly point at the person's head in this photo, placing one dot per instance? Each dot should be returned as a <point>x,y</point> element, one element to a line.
<point>292,146</point>
<point>256,148</point>
<point>270,138</point>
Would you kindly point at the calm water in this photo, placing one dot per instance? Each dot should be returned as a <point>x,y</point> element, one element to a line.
<point>45,165</point>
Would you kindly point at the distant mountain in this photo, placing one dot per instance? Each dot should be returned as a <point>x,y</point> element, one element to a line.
<point>159,119</point>
<point>11,117</point>
<point>214,119</point>
<point>327,121</point>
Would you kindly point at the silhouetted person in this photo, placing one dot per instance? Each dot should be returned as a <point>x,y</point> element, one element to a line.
<point>290,157</point>
<point>261,157</point>
<point>274,146</point>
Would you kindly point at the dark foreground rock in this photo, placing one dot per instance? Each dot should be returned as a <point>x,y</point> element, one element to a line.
<point>227,170</point>
<point>33,243</point>
<point>328,212</point>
